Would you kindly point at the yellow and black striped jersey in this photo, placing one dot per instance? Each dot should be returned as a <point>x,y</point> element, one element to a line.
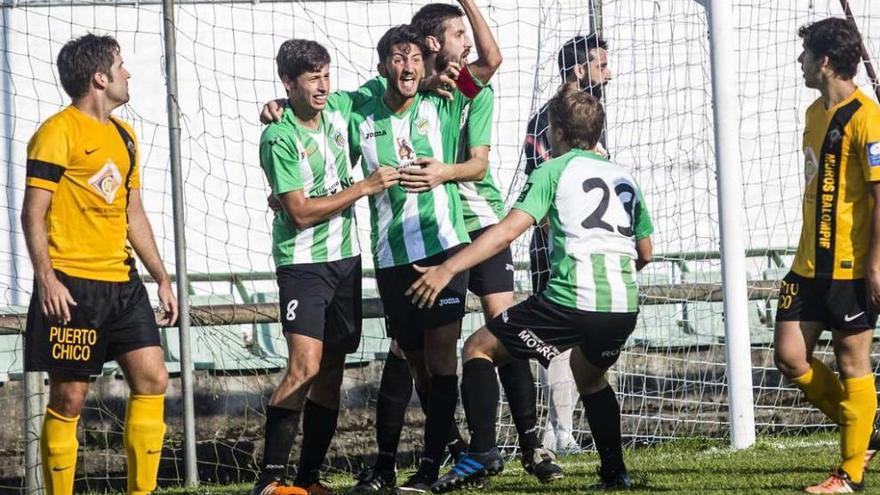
<point>90,167</point>
<point>841,159</point>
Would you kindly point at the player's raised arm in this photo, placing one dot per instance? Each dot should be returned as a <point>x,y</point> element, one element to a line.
<point>489,56</point>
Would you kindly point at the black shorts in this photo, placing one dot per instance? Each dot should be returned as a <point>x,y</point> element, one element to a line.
<point>541,329</point>
<point>539,260</point>
<point>493,275</point>
<point>405,321</point>
<point>839,304</point>
<point>109,319</point>
<point>323,301</point>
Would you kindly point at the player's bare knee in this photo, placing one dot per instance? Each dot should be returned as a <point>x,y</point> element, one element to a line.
<point>301,372</point>
<point>153,383</point>
<point>853,365</point>
<point>67,400</point>
<point>790,364</point>
<point>476,347</point>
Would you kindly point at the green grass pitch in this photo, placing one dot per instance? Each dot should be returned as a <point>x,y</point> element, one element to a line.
<point>772,466</point>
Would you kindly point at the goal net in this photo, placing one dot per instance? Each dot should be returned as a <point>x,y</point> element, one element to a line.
<point>671,378</point>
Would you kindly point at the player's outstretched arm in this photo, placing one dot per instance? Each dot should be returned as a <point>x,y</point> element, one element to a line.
<point>55,299</point>
<point>425,290</point>
<point>872,270</point>
<point>306,212</point>
<point>488,52</point>
<point>140,236</point>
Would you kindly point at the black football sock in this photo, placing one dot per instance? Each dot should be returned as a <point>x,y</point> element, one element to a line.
<point>319,426</point>
<point>454,442</point>
<point>395,391</point>
<point>479,392</point>
<point>603,415</point>
<point>280,433</point>
<point>522,398</point>
<point>441,413</point>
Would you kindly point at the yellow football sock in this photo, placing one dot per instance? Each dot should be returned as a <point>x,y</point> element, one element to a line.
<point>857,420</point>
<point>822,388</point>
<point>58,448</point>
<point>144,431</point>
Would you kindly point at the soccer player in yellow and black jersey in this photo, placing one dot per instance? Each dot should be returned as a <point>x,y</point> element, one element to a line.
<point>834,283</point>
<point>82,218</point>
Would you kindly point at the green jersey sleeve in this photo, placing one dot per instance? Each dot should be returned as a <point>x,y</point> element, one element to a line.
<point>342,102</point>
<point>374,88</point>
<point>279,159</point>
<point>480,119</point>
<point>642,225</point>
<point>537,195</point>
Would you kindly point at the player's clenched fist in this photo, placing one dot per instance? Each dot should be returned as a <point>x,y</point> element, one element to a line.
<point>381,179</point>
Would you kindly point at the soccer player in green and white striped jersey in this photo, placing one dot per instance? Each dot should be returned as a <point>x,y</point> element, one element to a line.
<point>306,159</point>
<point>401,128</point>
<point>600,236</point>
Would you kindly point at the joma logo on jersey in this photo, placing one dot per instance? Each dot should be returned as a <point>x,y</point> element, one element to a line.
<point>449,300</point>
<point>371,135</point>
<point>539,346</point>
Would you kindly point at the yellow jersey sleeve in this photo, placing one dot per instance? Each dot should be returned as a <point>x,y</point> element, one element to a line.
<point>48,154</point>
<point>867,137</point>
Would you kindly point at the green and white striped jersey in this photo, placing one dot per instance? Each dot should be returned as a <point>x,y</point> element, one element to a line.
<point>316,162</point>
<point>407,227</point>
<point>597,213</point>
<point>482,203</point>
<point>481,200</point>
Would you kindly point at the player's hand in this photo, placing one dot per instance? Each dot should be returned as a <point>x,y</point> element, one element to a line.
<point>381,179</point>
<point>55,299</point>
<point>429,174</point>
<point>442,83</point>
<point>272,111</point>
<point>274,203</point>
<point>168,304</point>
<point>425,290</point>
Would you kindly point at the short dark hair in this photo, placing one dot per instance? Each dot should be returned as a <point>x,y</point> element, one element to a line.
<point>297,56</point>
<point>577,116</point>
<point>429,19</point>
<point>576,51</point>
<point>835,38</point>
<point>402,34</point>
<point>81,58</point>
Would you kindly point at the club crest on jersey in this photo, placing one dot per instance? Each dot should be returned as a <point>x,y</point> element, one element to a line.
<point>423,126</point>
<point>834,136</point>
<point>339,138</point>
<point>811,164</point>
<point>107,181</point>
<point>406,155</point>
<point>874,154</point>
